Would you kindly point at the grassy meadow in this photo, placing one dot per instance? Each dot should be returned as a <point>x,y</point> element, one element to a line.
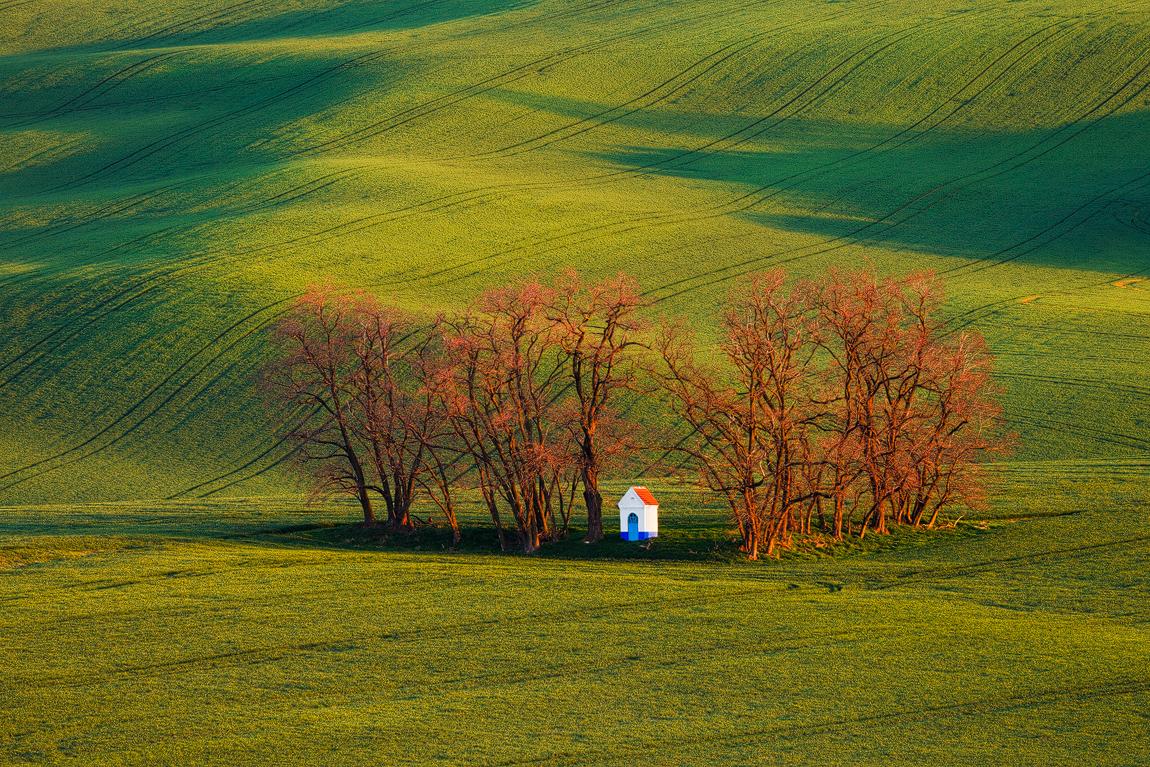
<point>172,176</point>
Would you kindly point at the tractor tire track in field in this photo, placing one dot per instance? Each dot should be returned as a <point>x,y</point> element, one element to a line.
<point>493,82</point>
<point>654,95</point>
<point>99,89</point>
<point>923,201</point>
<point>14,4</point>
<point>167,142</point>
<point>533,242</point>
<point>215,18</point>
<point>126,205</point>
<point>57,461</point>
<point>230,476</point>
<point>629,35</point>
<point>275,653</point>
<point>1061,427</point>
<point>292,194</point>
<point>677,218</point>
<point>148,283</point>
<point>790,730</point>
<point>53,150</point>
<point>527,145</point>
<point>1054,232</point>
<point>471,628</point>
<point>843,236</point>
<point>280,308</point>
<point>466,197</point>
<point>935,574</point>
<point>1093,207</point>
<point>1086,383</point>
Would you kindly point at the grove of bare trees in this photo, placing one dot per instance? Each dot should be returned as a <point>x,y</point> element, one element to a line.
<point>835,407</point>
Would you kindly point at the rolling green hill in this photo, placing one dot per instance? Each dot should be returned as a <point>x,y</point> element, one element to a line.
<point>172,175</point>
<point>170,180</point>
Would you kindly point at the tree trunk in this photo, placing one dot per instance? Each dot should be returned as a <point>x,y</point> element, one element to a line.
<point>365,504</point>
<point>399,517</point>
<point>594,500</point>
<point>751,543</point>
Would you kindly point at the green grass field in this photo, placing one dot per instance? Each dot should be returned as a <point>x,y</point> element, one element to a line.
<point>170,178</point>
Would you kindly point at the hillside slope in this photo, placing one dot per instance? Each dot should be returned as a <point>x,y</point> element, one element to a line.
<point>169,180</point>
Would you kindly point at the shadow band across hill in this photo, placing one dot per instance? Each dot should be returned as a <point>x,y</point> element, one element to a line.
<point>1074,195</point>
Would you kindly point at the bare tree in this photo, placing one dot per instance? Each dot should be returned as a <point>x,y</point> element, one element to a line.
<point>357,362</point>
<point>914,410</point>
<point>958,428</point>
<point>431,423</point>
<point>390,412</point>
<point>505,375</point>
<point>596,327</point>
<point>749,425</point>
<point>315,369</point>
<point>847,390</point>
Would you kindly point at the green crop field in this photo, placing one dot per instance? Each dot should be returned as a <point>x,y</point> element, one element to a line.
<point>173,175</point>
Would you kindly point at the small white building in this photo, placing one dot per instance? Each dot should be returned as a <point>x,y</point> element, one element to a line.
<point>638,515</point>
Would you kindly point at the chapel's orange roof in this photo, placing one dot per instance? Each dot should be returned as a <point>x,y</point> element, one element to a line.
<point>645,494</point>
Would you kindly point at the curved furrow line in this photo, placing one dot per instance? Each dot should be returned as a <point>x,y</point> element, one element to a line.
<point>634,752</point>
<point>172,95</point>
<point>724,143</point>
<point>55,333</point>
<point>280,310</point>
<point>934,574</point>
<point>167,142</point>
<point>299,191</point>
<point>259,472</point>
<point>649,98</point>
<point>629,224</point>
<point>1099,203</point>
<point>768,122</point>
<point>468,196</point>
<point>292,194</point>
<point>162,276</point>
<point>128,246</point>
<point>1085,383</point>
<point>934,195</point>
<point>388,17</point>
<point>958,102</point>
<point>420,633</point>
<point>107,211</point>
<point>719,210</point>
<point>1061,427</point>
<point>56,459</point>
<point>49,150</point>
<point>662,163</point>
<point>14,4</point>
<point>109,304</point>
<point>105,85</point>
<point>440,103</point>
<point>219,14</point>
<point>276,445</point>
<point>977,314</point>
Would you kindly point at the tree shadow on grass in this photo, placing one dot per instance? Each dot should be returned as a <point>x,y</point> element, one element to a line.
<point>705,538</point>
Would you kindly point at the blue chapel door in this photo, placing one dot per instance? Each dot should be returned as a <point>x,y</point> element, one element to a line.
<point>633,527</point>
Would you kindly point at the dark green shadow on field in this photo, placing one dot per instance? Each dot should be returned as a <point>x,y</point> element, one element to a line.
<point>236,24</point>
<point>351,17</point>
<point>1075,196</point>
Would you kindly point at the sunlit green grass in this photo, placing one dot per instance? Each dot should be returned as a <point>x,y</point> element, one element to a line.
<point>170,177</point>
<point>237,632</point>
<point>169,180</point>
